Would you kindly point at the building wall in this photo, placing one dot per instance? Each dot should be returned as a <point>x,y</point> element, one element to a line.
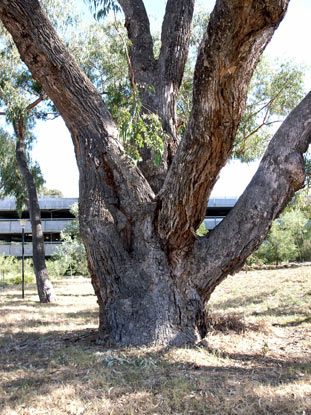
<point>11,231</point>
<point>217,209</point>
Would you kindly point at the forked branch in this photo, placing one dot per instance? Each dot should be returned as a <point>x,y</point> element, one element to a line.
<point>280,174</point>
<point>237,34</point>
<point>78,102</point>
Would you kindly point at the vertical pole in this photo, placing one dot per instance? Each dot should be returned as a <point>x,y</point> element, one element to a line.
<point>23,276</point>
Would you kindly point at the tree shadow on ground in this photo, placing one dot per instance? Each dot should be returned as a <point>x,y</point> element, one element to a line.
<point>53,360</point>
<point>280,312</point>
<point>21,324</point>
<point>243,300</point>
<point>295,323</point>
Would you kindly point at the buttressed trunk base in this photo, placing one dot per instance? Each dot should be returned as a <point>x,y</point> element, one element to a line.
<point>141,298</point>
<point>147,304</point>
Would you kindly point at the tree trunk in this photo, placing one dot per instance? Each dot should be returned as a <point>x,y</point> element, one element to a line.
<point>151,274</point>
<point>44,285</point>
<point>141,300</point>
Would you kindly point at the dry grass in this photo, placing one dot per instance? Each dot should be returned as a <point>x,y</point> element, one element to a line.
<point>256,359</point>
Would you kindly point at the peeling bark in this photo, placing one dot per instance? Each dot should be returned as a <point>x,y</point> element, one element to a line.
<point>151,274</point>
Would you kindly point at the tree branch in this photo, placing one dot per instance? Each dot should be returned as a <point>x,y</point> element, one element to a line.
<point>36,102</point>
<point>113,192</point>
<point>237,34</point>
<point>175,37</point>
<point>129,63</point>
<point>164,82</point>
<point>280,174</point>
<point>138,28</point>
<point>78,102</point>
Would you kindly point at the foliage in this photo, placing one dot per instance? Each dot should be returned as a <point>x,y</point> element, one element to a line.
<point>288,240</point>
<point>306,250</point>
<point>11,180</point>
<point>278,247</point>
<point>101,8</point>
<point>71,253</point>
<point>297,223</point>
<point>54,193</point>
<point>103,54</point>
<point>137,129</point>
<point>276,88</point>
<point>11,270</point>
<point>56,267</point>
<point>202,231</point>
<point>18,90</point>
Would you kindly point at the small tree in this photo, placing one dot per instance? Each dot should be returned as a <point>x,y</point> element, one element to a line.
<point>278,247</point>
<point>54,193</point>
<point>285,240</point>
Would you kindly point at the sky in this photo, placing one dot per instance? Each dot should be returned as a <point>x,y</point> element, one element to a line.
<point>54,150</point>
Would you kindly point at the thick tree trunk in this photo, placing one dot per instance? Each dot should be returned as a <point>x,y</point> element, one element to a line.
<point>151,274</point>
<point>44,285</point>
<point>141,302</point>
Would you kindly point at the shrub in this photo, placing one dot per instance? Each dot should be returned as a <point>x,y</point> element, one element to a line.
<point>11,270</point>
<point>306,250</point>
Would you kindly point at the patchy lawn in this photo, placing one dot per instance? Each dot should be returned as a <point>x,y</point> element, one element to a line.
<point>256,358</point>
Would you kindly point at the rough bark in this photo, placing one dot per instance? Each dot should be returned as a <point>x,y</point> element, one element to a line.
<point>280,174</point>
<point>44,285</point>
<point>151,275</point>
<point>236,36</point>
<point>158,81</point>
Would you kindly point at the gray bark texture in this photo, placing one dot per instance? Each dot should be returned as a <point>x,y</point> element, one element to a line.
<point>151,274</point>
<point>44,285</point>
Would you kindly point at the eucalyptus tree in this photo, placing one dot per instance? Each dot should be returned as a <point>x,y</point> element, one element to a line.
<point>19,96</point>
<point>23,102</point>
<point>21,99</point>
<point>152,275</point>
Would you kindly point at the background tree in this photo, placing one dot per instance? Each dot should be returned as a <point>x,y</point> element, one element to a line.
<point>23,103</point>
<point>20,99</point>
<point>13,185</point>
<point>71,252</point>
<point>283,243</point>
<point>151,273</point>
<point>11,180</point>
<point>45,192</point>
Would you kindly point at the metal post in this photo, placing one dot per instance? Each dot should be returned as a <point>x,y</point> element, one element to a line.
<point>23,269</point>
<point>23,224</point>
